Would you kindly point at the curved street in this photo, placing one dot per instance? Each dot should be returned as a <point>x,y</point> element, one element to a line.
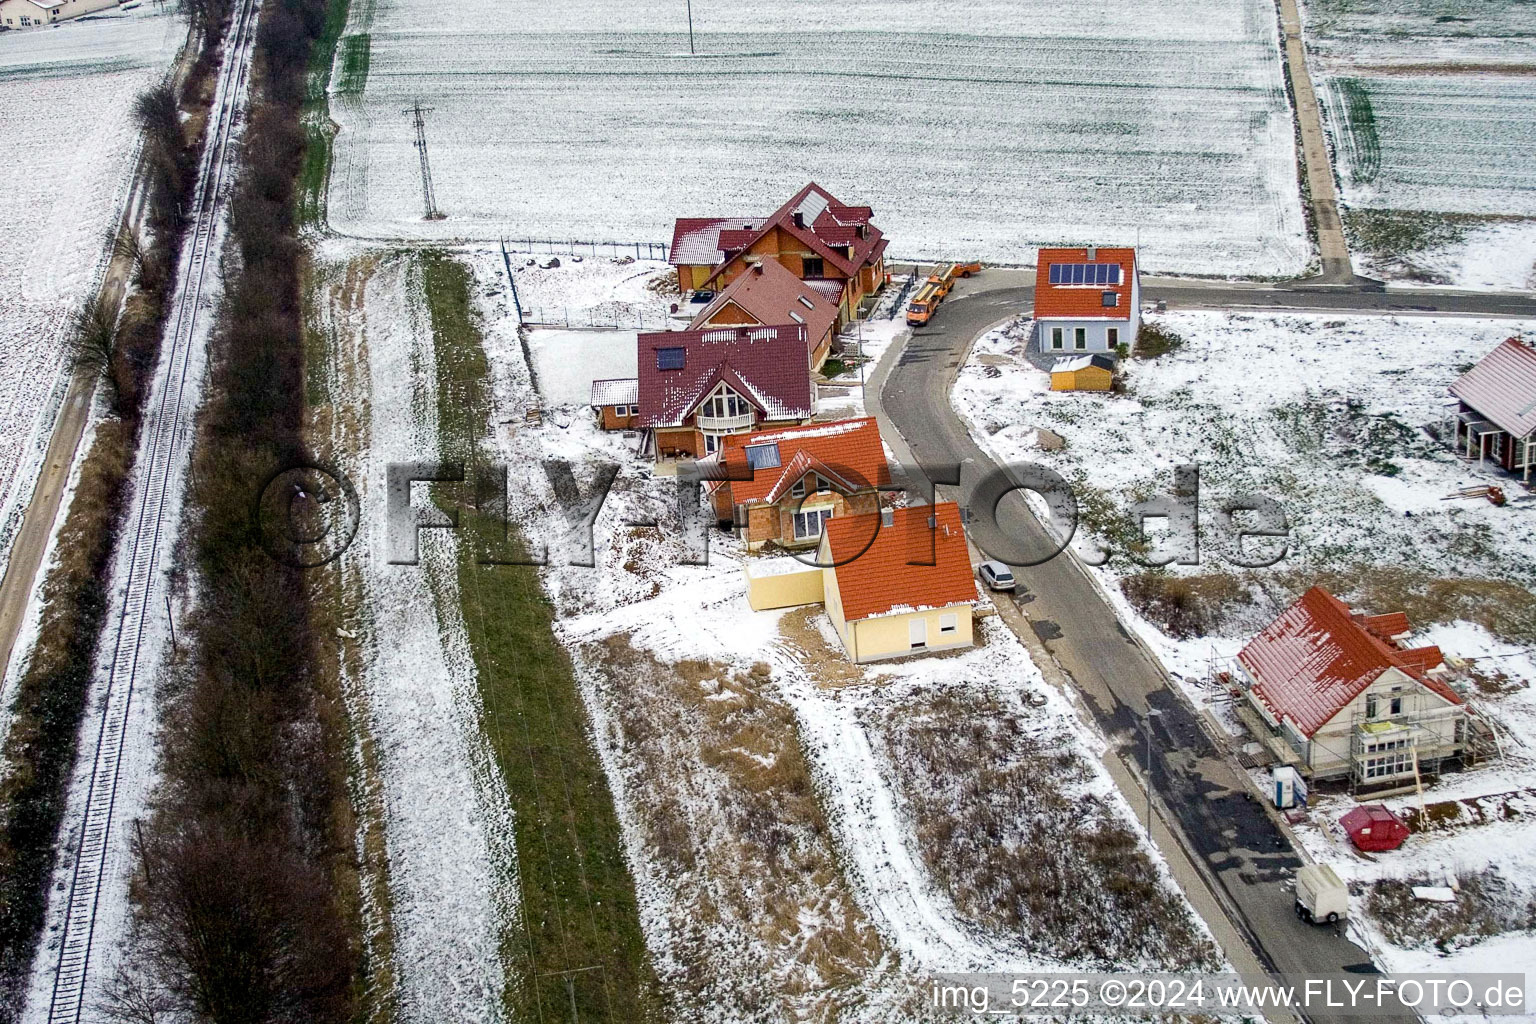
<point>1239,848</point>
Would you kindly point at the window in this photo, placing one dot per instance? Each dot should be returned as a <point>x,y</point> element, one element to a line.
<point>1089,274</point>
<point>796,317</point>
<point>1055,337</point>
<point>1079,337</point>
<point>811,266</point>
<point>1383,767</point>
<point>711,443</point>
<point>1370,705</point>
<point>807,303</point>
<point>798,490</point>
<point>763,456</point>
<point>917,632</point>
<point>724,402</point>
<point>1109,300</point>
<point>1112,335</point>
<point>1397,705</point>
<point>808,524</point>
<point>670,358</point>
<point>949,622</point>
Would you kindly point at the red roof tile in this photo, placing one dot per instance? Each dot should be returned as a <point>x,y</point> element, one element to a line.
<point>1316,657</point>
<point>818,211</point>
<point>696,240</point>
<point>1502,388</point>
<point>1385,626</point>
<point>849,451</point>
<point>765,364</point>
<point>774,296</point>
<point>884,568</point>
<point>1083,301</point>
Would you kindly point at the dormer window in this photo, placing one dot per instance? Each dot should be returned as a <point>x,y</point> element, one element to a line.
<point>1110,300</point>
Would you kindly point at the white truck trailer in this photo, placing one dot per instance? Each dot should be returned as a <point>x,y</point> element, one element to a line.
<point>1320,895</point>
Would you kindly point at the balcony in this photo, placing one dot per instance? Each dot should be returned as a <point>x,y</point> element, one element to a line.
<point>724,424</point>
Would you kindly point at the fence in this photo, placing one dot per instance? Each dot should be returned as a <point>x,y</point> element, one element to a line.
<point>599,318</point>
<point>572,247</point>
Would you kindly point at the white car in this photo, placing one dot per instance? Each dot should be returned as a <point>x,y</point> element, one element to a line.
<point>996,575</point>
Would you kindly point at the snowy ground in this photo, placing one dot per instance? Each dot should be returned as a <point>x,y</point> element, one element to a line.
<point>1058,124</point>
<point>69,144</point>
<point>451,865</point>
<point>1325,414</point>
<point>763,699</point>
<point>1504,844</point>
<point>1316,410</point>
<point>1432,107</point>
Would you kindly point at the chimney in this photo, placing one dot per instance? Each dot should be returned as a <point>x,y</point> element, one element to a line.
<point>863,230</point>
<point>887,517</point>
<point>1093,253</point>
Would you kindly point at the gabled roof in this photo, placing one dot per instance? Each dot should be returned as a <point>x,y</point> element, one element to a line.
<point>1083,301</point>
<point>1502,387</point>
<point>696,240</point>
<point>766,365</point>
<point>616,391</point>
<point>848,452</point>
<point>1318,656</point>
<point>827,227</point>
<point>773,295</point>
<point>884,570</point>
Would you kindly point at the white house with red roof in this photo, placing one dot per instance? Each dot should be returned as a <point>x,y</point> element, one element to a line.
<point>19,14</point>
<point>1496,413</point>
<point>1086,300</point>
<point>1337,693</point>
<point>833,247</point>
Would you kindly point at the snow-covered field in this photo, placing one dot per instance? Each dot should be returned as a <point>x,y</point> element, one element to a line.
<point>982,130</point>
<point>1432,106</point>
<point>68,144</point>
<point>1327,414</point>
<point>451,866</point>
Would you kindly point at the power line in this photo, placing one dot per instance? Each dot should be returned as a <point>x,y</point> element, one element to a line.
<point>428,194</point>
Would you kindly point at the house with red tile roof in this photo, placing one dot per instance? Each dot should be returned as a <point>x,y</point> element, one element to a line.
<point>830,245</point>
<point>781,486</point>
<point>1338,694</point>
<point>898,582</point>
<point>1496,411</point>
<point>696,387</point>
<point>766,294</point>
<point>1086,300</point>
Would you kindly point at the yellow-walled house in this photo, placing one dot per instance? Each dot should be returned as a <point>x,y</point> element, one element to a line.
<point>898,582</point>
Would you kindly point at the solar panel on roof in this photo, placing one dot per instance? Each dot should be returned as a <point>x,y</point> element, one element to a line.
<point>670,358</point>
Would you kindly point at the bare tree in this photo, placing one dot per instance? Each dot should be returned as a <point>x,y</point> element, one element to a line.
<point>95,329</point>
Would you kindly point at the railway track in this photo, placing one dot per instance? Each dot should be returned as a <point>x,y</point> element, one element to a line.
<point>159,473</point>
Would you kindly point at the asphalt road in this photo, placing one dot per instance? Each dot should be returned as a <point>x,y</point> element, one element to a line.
<point>1223,826</point>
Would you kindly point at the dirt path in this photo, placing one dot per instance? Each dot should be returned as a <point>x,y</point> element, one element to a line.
<point>1314,152</point>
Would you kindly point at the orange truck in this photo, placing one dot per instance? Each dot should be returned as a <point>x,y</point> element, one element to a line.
<point>925,302</point>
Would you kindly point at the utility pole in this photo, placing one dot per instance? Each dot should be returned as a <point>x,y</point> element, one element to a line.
<point>1151,714</point>
<point>690,26</point>
<point>428,194</point>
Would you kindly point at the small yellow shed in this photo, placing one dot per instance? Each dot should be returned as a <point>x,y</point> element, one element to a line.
<point>1084,373</point>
